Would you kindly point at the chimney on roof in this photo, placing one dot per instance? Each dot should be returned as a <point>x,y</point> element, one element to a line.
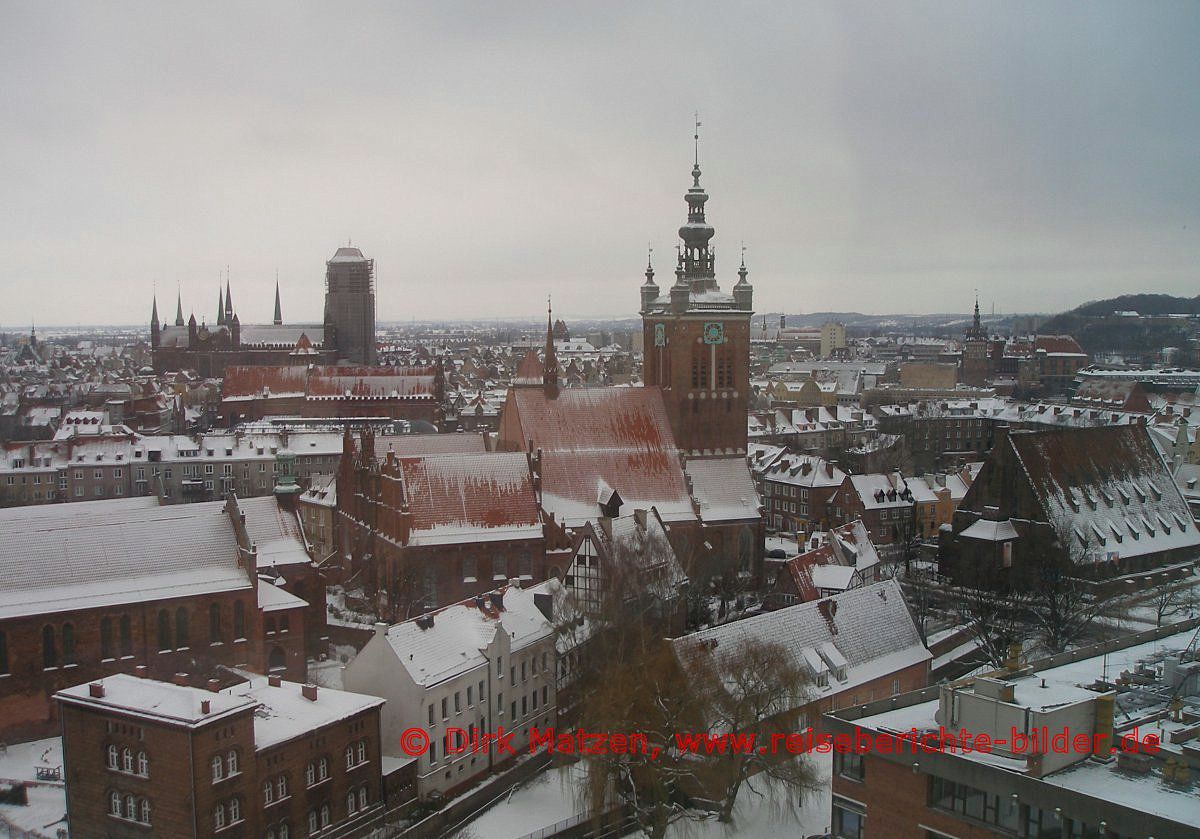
<point>514,582</point>
<point>829,468</point>
<point>381,628</point>
<point>141,671</point>
<point>497,599</point>
<point>309,692</point>
<point>214,685</point>
<point>180,679</point>
<point>96,690</point>
<point>425,622</point>
<point>274,681</point>
<point>205,706</point>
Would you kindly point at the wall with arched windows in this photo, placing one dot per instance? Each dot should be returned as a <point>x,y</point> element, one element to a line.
<point>42,654</point>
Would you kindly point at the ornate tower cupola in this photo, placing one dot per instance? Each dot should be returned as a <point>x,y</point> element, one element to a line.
<point>697,258</point>
<point>649,288</point>
<point>743,292</point>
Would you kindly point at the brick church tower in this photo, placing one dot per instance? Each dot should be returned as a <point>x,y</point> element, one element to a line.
<point>975,370</point>
<point>697,340</point>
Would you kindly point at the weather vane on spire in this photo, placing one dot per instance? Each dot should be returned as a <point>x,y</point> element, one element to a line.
<point>696,137</point>
<point>743,253</point>
<point>649,253</point>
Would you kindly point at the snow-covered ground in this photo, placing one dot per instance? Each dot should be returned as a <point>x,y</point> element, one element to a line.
<point>47,800</point>
<point>762,811</point>
<point>545,799</point>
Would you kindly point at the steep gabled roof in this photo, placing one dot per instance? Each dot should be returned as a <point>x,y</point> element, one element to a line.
<point>626,418</point>
<point>1109,485</point>
<point>472,496</point>
<point>868,630</point>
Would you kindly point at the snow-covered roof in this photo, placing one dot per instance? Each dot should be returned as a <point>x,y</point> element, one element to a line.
<point>991,531</point>
<point>161,701</point>
<point>274,531</point>
<point>283,713</point>
<point>724,488</point>
<point>453,644</point>
<point>1110,486</point>
<point>832,577</point>
<point>272,598</point>
<point>91,554</point>
<point>868,628</point>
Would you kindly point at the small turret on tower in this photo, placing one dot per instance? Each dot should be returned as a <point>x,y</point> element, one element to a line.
<point>650,288</point>
<point>743,292</point>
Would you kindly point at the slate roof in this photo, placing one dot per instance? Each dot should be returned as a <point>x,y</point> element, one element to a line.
<point>62,557</point>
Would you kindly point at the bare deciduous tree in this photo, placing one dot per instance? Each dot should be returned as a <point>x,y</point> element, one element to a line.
<point>747,694</point>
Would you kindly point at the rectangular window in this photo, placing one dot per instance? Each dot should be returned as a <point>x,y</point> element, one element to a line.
<point>458,702</point>
<point>848,819</point>
<point>445,708</point>
<point>849,765</point>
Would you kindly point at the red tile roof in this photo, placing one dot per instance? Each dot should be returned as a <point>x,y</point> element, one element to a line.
<point>374,382</point>
<point>453,493</point>
<point>596,418</point>
<point>250,381</point>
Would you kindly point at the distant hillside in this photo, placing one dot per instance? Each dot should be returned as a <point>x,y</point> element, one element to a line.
<point>1098,329</point>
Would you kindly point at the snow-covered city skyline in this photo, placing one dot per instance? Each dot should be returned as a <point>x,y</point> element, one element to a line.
<point>872,157</point>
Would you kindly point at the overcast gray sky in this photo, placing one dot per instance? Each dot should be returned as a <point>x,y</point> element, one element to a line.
<point>879,157</point>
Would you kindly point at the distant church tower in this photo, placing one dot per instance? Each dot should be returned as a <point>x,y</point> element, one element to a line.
<point>350,305</point>
<point>975,368</point>
<point>697,340</point>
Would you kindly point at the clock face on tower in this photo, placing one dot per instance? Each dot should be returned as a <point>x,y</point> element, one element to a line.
<point>714,333</point>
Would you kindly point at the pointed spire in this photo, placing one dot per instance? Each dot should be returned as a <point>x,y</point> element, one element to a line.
<point>228,297</point>
<point>179,308</point>
<point>278,309</point>
<point>220,305</point>
<point>550,359</point>
<point>154,313</point>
